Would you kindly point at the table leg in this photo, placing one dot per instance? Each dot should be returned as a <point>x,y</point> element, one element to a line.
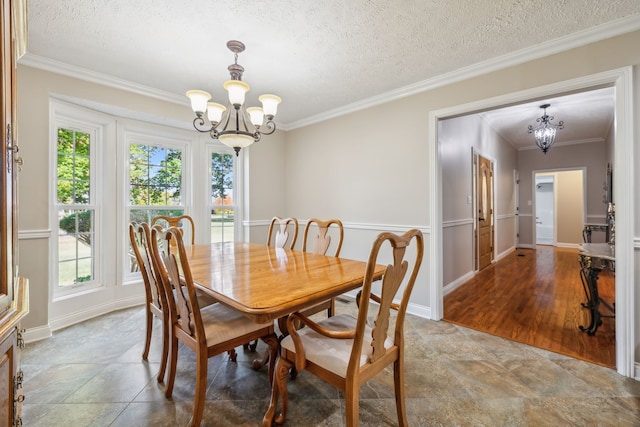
<point>589,277</point>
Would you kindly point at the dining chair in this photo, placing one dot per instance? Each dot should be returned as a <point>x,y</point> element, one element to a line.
<point>165,221</point>
<point>346,351</point>
<point>176,221</point>
<point>155,297</point>
<point>319,242</point>
<point>208,331</point>
<point>281,227</point>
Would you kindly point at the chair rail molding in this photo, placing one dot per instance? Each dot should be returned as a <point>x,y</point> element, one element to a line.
<point>34,234</point>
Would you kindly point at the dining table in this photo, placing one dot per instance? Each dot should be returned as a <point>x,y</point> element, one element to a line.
<point>265,283</point>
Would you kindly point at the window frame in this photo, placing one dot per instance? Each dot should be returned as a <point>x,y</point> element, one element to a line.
<point>155,135</point>
<point>68,116</point>
<point>238,188</point>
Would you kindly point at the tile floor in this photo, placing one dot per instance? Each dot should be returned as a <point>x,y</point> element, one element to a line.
<point>91,374</point>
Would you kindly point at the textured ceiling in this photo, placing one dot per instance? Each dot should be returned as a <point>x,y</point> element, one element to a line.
<point>317,55</point>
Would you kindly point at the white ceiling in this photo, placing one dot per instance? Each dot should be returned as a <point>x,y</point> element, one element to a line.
<point>323,57</point>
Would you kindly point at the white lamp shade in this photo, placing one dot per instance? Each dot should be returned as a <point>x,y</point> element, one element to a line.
<point>215,111</point>
<point>270,104</point>
<point>234,140</point>
<point>256,114</point>
<point>199,100</point>
<point>236,89</point>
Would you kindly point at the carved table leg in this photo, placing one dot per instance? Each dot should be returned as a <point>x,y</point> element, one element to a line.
<point>279,387</point>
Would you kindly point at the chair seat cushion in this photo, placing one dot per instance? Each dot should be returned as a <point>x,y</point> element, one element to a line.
<point>330,353</point>
<point>222,323</point>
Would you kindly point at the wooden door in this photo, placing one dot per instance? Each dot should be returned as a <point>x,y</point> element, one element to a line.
<point>484,212</point>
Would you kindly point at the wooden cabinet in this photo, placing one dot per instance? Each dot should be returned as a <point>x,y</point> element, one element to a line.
<point>14,303</point>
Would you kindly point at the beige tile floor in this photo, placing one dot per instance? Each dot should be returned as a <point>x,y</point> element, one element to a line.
<point>91,374</point>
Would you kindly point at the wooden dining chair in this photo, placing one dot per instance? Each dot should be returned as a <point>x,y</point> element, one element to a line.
<point>176,221</point>
<point>319,242</point>
<point>155,297</point>
<point>346,351</point>
<point>208,331</point>
<point>281,226</point>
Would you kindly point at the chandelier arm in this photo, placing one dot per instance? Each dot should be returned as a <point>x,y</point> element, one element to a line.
<point>199,123</point>
<point>271,127</point>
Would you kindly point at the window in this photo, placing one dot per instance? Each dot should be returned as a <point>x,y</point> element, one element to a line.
<point>108,171</point>
<point>155,182</point>
<point>75,207</point>
<point>223,205</point>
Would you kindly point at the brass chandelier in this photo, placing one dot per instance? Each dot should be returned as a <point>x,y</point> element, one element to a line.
<point>234,125</point>
<point>545,132</point>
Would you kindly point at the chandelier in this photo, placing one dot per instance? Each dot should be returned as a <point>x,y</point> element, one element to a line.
<point>545,132</point>
<point>234,125</point>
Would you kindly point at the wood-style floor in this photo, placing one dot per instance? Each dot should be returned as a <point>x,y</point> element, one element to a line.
<point>534,296</point>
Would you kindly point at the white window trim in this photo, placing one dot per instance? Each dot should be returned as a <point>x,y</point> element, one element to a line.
<point>133,132</point>
<point>101,128</point>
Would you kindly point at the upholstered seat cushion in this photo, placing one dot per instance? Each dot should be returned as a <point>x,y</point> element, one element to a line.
<point>222,324</point>
<point>330,353</point>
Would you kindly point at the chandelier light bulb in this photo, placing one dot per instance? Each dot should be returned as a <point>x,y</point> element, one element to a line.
<point>257,115</point>
<point>237,89</point>
<point>270,104</point>
<point>215,111</point>
<point>199,100</point>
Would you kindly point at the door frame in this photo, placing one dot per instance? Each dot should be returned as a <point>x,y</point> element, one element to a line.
<point>534,215</point>
<point>621,80</point>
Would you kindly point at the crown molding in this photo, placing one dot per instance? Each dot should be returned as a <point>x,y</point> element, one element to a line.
<point>58,67</point>
<point>550,47</point>
<point>564,143</point>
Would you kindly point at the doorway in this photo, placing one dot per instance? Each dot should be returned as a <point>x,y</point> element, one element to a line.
<point>622,145</point>
<point>545,209</point>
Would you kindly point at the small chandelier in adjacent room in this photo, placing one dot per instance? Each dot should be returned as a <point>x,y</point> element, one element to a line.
<point>234,125</point>
<point>545,132</point>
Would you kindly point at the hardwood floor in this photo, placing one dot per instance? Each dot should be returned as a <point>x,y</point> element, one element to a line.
<point>534,296</point>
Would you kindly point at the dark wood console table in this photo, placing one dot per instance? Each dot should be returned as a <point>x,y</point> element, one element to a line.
<point>594,258</point>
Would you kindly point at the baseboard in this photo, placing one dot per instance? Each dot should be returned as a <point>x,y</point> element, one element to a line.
<point>419,310</point>
<point>526,246</point>
<point>451,286</point>
<point>94,311</point>
<point>504,253</point>
<point>37,334</point>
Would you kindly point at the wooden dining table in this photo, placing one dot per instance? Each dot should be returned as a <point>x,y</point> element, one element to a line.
<point>265,283</point>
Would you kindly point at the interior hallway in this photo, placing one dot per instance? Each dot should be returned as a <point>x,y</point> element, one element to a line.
<point>91,374</point>
<point>534,297</point>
